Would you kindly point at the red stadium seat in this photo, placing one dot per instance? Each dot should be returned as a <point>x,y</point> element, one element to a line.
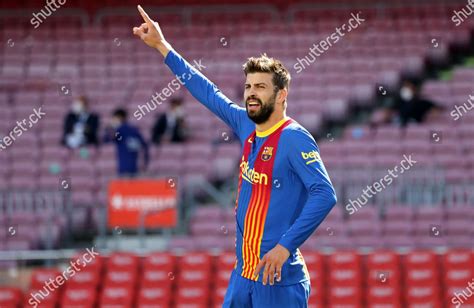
<point>224,266</point>
<point>120,278</point>
<point>345,296</point>
<point>383,279</point>
<point>190,278</point>
<point>426,295</point>
<point>45,299</point>
<point>159,261</point>
<point>157,297</point>
<point>193,295</point>
<point>79,297</point>
<point>345,279</point>
<point>195,260</point>
<point>10,297</point>
<point>123,261</point>
<point>223,276</point>
<point>459,295</point>
<point>89,264</point>
<point>119,297</point>
<point>458,272</point>
<point>458,259</point>
<point>219,295</point>
<point>156,278</point>
<point>42,275</point>
<point>226,260</point>
<point>422,281</point>
<point>383,295</point>
<point>315,265</point>
<point>84,277</point>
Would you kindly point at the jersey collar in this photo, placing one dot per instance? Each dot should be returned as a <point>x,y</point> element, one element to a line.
<point>269,131</point>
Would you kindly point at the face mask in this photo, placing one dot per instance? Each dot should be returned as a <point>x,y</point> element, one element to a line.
<point>115,123</point>
<point>406,94</point>
<point>178,112</point>
<point>77,107</point>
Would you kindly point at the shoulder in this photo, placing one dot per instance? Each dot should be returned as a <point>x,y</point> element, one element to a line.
<point>94,117</point>
<point>295,133</point>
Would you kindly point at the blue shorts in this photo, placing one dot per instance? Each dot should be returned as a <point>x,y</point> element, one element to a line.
<point>243,293</point>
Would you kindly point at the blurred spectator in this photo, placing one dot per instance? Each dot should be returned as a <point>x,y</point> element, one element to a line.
<point>411,107</point>
<point>170,126</point>
<point>408,106</point>
<point>80,125</point>
<point>129,143</point>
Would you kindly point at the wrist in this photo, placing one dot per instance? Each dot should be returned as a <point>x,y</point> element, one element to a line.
<point>163,47</point>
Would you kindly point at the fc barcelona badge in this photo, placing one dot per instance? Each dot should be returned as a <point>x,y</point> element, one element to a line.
<point>267,153</point>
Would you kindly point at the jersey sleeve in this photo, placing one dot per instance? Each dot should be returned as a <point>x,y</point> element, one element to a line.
<point>306,162</point>
<point>205,91</point>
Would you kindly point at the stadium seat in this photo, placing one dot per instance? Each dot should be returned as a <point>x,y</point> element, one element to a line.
<point>154,297</point>
<point>345,279</point>
<point>422,281</point>
<point>80,297</point>
<point>10,297</point>
<point>42,275</point>
<point>119,297</point>
<point>316,269</point>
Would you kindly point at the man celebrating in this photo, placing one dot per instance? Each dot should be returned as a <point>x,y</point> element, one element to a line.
<point>284,191</point>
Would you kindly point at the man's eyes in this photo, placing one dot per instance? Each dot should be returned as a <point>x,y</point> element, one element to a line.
<point>258,86</point>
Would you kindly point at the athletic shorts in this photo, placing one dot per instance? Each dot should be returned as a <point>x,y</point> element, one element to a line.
<point>246,293</point>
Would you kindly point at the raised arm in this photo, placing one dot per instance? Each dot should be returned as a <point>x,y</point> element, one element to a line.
<point>200,87</point>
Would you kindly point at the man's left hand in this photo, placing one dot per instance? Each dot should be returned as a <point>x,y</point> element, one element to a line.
<point>273,261</point>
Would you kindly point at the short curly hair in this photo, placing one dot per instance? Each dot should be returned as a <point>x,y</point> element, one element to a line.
<point>265,64</point>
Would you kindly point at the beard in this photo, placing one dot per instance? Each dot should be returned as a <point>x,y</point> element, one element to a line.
<point>265,111</point>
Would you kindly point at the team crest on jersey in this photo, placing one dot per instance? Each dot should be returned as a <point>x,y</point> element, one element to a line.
<point>267,153</point>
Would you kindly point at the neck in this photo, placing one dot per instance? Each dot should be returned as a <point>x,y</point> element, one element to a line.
<point>274,119</point>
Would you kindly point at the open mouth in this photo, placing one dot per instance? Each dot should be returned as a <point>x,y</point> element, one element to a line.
<point>253,104</point>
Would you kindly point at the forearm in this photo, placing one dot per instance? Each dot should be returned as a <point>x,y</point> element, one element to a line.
<point>164,48</point>
<point>317,207</point>
<point>203,89</point>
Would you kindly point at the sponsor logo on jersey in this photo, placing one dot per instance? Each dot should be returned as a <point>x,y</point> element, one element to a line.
<point>311,157</point>
<point>252,176</point>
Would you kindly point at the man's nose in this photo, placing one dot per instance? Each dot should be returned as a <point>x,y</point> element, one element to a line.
<point>252,92</point>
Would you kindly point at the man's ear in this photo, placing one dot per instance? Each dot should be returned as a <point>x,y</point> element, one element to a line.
<point>282,95</point>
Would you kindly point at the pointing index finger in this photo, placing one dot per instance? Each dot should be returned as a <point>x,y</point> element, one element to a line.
<point>145,16</point>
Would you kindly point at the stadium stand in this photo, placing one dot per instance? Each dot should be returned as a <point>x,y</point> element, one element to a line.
<point>408,247</point>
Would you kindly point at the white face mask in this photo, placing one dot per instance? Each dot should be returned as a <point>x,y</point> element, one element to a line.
<point>77,107</point>
<point>178,112</point>
<point>406,94</point>
<point>115,123</point>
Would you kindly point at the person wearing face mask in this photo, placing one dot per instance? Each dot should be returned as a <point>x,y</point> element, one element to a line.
<point>129,142</point>
<point>411,107</point>
<point>80,125</point>
<point>170,126</point>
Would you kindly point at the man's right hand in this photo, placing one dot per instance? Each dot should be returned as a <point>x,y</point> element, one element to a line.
<point>151,34</point>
